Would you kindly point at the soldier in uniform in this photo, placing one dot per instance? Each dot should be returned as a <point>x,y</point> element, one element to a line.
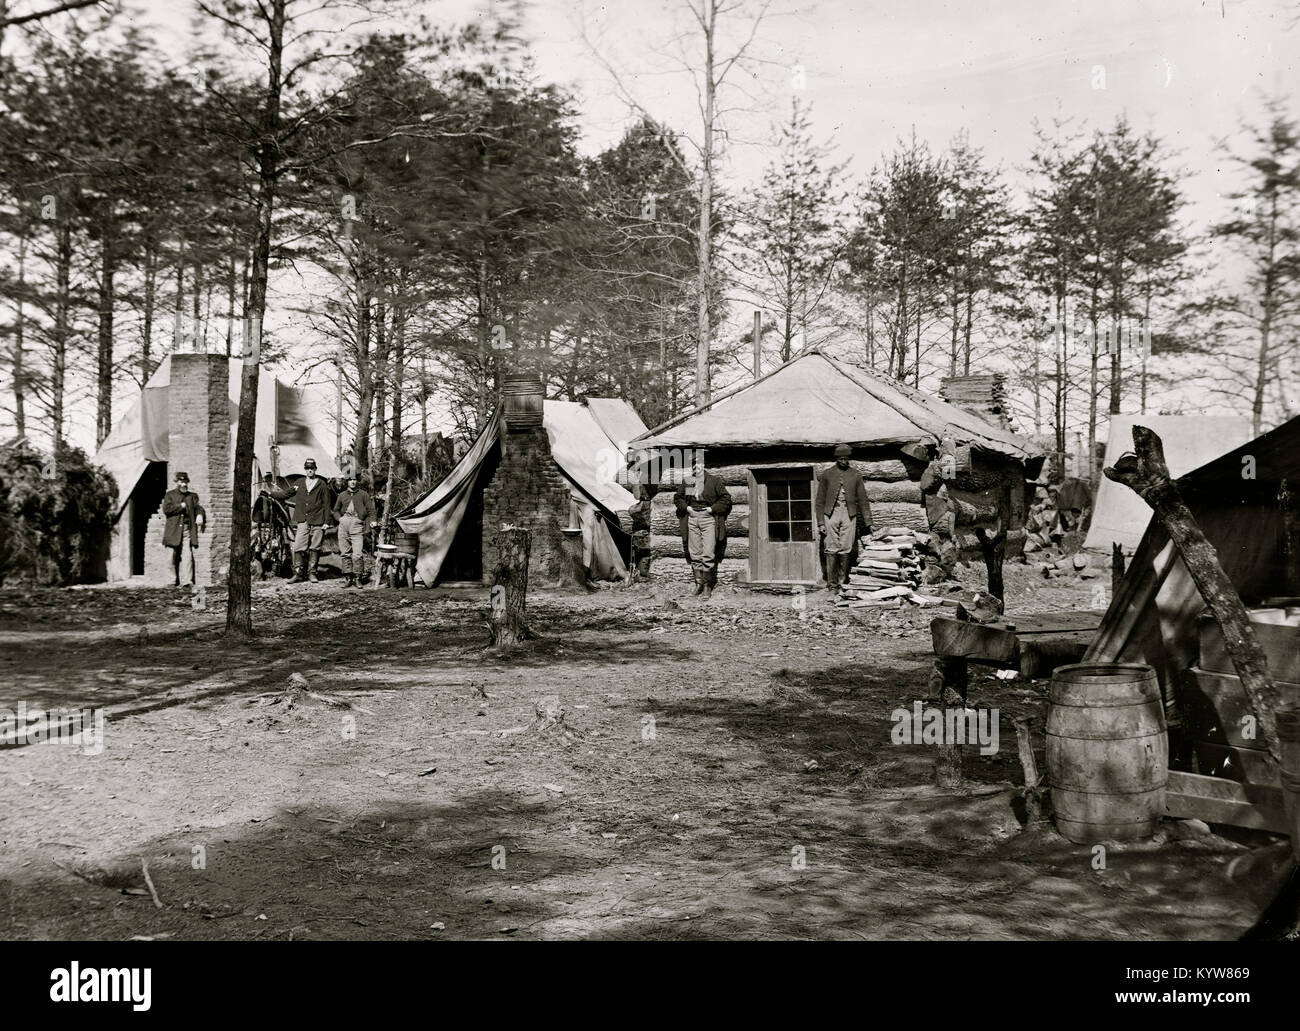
<point>311,515</point>
<point>355,511</point>
<point>841,500</point>
<point>639,512</point>
<point>184,520</point>
<point>703,503</point>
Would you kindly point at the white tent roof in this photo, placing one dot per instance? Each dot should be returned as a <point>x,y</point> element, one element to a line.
<point>141,435</point>
<point>1118,514</point>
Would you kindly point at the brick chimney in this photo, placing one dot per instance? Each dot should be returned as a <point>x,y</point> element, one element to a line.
<point>529,491</point>
<point>199,443</point>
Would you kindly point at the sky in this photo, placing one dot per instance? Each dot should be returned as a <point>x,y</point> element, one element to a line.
<point>1191,71</point>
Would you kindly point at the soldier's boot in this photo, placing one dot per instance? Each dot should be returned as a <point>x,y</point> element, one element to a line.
<point>834,574</point>
<point>348,580</point>
<point>299,568</point>
<point>699,582</point>
<point>643,569</point>
<point>311,568</point>
<point>710,579</point>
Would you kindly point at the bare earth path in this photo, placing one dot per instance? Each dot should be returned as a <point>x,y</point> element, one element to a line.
<point>719,771</point>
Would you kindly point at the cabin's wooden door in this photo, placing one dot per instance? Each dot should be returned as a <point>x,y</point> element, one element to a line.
<point>782,527</point>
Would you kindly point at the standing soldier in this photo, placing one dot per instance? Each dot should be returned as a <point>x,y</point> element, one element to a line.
<point>355,512</point>
<point>184,520</point>
<point>702,504</point>
<point>311,515</point>
<point>639,512</point>
<point>841,501</point>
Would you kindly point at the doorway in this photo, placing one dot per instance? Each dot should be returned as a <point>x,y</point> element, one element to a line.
<point>782,526</point>
<point>146,499</point>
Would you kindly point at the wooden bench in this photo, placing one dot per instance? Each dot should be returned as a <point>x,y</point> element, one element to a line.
<point>1033,645</point>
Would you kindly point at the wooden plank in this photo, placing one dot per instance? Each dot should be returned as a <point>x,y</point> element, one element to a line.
<point>1053,622</point>
<point>1042,653</point>
<point>1215,800</point>
<point>953,638</point>
<point>1248,765</point>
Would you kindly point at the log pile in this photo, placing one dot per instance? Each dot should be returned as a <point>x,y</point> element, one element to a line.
<point>982,395</point>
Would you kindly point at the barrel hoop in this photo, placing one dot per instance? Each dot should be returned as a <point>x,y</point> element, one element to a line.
<point>1082,736</point>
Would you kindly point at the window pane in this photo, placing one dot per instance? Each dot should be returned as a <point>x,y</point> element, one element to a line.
<point>801,531</point>
<point>778,532</point>
<point>801,489</point>
<point>778,490</point>
<point>801,511</point>
<point>778,512</point>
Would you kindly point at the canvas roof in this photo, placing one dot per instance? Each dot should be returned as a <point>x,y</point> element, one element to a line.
<point>141,436</point>
<point>587,442</point>
<point>1118,514</point>
<point>814,400</point>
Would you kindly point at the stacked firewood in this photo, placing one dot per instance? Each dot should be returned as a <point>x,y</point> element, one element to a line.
<point>890,566</point>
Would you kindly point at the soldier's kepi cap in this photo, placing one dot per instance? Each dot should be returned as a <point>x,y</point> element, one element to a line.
<point>843,451</point>
<point>309,464</point>
<point>183,476</point>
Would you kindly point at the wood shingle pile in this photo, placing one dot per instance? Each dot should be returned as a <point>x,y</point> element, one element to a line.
<point>891,565</point>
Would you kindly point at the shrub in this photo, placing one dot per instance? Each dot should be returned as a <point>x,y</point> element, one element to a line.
<point>55,520</point>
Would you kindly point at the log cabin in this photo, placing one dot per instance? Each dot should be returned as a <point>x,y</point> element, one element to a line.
<point>769,439</point>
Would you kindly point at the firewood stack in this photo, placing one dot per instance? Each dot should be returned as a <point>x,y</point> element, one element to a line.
<point>891,565</point>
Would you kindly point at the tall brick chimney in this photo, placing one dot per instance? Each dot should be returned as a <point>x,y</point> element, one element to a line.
<point>199,434</point>
<point>529,491</point>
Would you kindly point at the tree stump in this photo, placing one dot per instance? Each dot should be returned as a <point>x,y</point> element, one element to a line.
<point>508,619</point>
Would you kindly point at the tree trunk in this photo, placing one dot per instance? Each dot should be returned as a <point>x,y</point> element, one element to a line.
<point>239,599</point>
<point>1147,473</point>
<point>704,230</point>
<point>150,301</point>
<point>508,617</point>
<point>62,310</point>
<point>104,364</point>
<point>20,375</point>
<point>365,376</point>
<point>994,548</point>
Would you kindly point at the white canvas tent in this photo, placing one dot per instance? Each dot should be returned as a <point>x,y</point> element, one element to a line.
<point>138,451</point>
<point>1190,441</point>
<point>582,437</point>
<point>141,436</point>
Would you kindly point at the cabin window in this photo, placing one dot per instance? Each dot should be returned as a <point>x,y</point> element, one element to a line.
<point>789,509</point>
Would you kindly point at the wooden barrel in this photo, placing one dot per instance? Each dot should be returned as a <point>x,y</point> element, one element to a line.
<point>1288,738</point>
<point>1107,752</point>
<point>407,544</point>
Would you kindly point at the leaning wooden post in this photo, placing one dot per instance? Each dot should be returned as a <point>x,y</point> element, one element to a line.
<point>508,620</point>
<point>1147,473</point>
<point>1033,787</point>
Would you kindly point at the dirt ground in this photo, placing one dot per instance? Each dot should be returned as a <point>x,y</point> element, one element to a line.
<point>697,770</point>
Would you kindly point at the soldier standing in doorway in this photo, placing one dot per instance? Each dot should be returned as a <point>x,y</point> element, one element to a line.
<point>841,500</point>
